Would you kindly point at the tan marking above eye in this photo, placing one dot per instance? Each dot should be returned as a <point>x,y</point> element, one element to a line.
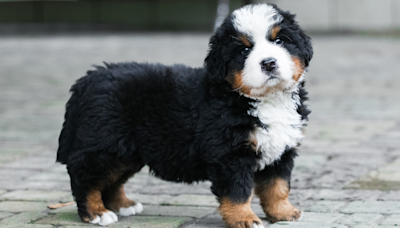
<point>274,32</point>
<point>245,40</point>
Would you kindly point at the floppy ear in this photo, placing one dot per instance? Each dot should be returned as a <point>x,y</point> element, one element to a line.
<point>305,41</point>
<point>215,62</point>
<point>307,47</point>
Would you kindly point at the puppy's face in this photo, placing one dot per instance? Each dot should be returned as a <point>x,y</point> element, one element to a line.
<point>262,50</point>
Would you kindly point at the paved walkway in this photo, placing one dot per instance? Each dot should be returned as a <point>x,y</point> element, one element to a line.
<point>347,174</point>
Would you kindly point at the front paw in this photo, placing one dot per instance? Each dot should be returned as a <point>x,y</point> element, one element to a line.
<point>239,215</point>
<point>105,218</point>
<point>283,213</point>
<point>254,222</point>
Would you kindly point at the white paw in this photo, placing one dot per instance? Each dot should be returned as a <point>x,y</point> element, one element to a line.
<point>258,225</point>
<point>105,219</point>
<point>301,216</point>
<point>127,211</point>
<point>138,208</point>
<point>95,220</point>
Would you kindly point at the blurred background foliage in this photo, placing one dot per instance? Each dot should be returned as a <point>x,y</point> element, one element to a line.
<point>190,15</point>
<point>148,15</point>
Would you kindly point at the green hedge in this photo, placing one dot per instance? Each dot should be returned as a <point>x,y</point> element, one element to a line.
<point>134,14</point>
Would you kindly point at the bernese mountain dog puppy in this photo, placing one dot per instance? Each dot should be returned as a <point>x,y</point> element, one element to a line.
<point>235,122</point>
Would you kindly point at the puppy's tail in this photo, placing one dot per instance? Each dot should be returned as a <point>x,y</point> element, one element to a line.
<point>67,136</point>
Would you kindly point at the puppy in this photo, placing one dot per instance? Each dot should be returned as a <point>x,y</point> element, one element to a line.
<point>235,122</point>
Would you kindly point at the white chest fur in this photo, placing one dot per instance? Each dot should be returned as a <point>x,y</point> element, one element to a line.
<point>283,126</point>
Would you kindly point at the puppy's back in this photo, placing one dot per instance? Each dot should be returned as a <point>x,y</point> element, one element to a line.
<point>112,100</point>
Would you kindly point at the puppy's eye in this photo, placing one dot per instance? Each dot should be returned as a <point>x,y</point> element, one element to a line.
<point>278,41</point>
<point>246,51</point>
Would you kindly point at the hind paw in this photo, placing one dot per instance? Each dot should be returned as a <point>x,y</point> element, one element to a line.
<point>105,219</point>
<point>132,210</point>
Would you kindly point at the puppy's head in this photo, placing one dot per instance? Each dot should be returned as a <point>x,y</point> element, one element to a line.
<point>259,49</point>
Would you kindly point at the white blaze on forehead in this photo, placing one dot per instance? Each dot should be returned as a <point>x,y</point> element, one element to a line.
<point>255,20</point>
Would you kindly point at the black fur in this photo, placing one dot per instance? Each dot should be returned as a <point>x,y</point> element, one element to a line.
<point>186,124</point>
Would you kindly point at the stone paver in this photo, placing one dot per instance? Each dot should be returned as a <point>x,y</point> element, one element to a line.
<point>187,199</point>
<point>22,218</point>
<point>18,206</point>
<point>356,219</point>
<point>328,218</point>
<point>28,226</point>
<point>63,218</point>
<point>151,222</point>
<point>392,220</point>
<point>386,207</point>
<point>368,226</point>
<point>73,220</point>
<point>5,215</point>
<point>346,173</point>
<point>306,225</point>
<point>149,199</point>
<point>385,178</point>
<point>30,195</point>
<point>196,212</point>
<point>325,206</point>
<point>344,195</point>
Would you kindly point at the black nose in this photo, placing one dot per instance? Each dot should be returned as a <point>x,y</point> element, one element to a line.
<point>268,64</point>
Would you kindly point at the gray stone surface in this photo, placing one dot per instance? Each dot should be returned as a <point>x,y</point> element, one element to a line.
<point>325,206</point>
<point>149,199</point>
<point>368,226</point>
<point>392,220</point>
<point>28,226</point>
<point>306,225</point>
<point>30,195</point>
<point>5,215</point>
<point>345,195</point>
<point>191,199</point>
<point>389,196</point>
<point>354,131</point>
<point>358,218</point>
<point>385,207</point>
<point>18,206</point>
<point>322,218</point>
<point>22,218</point>
<point>195,212</point>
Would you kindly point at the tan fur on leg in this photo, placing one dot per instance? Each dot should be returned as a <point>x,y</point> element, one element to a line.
<point>118,199</point>
<point>274,201</point>
<point>238,215</point>
<point>94,205</point>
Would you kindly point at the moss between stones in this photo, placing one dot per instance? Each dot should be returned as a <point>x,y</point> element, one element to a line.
<point>374,185</point>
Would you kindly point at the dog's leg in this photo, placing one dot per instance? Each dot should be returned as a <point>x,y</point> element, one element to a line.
<point>273,186</point>
<point>95,208</point>
<point>90,176</point>
<point>115,199</point>
<point>90,205</point>
<point>232,183</point>
<point>238,214</point>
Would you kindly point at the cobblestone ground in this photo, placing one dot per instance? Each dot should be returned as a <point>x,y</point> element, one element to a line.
<point>347,174</point>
